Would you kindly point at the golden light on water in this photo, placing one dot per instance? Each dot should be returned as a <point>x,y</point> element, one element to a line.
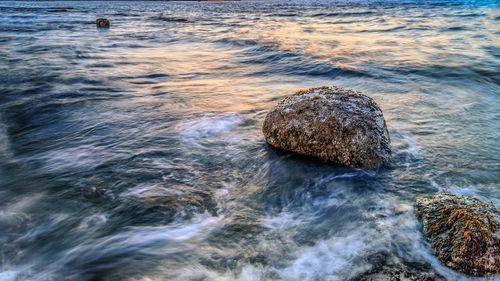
<point>137,152</point>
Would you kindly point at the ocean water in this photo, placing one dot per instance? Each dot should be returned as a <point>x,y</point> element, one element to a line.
<point>136,153</point>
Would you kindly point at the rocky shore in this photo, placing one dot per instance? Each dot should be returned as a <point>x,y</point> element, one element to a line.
<point>348,128</point>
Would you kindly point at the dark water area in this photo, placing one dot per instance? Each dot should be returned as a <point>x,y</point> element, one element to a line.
<point>136,153</point>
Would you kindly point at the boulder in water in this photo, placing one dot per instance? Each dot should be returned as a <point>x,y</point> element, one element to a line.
<point>334,124</point>
<point>102,23</point>
<point>463,231</point>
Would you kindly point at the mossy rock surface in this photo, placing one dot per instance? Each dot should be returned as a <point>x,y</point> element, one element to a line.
<point>337,125</point>
<point>463,231</point>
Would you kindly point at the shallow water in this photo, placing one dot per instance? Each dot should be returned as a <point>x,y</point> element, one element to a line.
<point>136,153</point>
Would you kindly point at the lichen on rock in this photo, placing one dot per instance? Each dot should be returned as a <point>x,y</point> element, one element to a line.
<point>463,231</point>
<point>334,124</point>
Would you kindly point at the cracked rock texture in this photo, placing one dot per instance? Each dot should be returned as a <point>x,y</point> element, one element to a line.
<point>334,124</point>
<point>463,231</point>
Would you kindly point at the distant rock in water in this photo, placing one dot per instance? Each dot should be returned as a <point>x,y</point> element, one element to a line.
<point>334,124</point>
<point>102,23</point>
<point>464,232</point>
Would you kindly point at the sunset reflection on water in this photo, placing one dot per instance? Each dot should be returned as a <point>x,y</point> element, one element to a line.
<point>136,152</point>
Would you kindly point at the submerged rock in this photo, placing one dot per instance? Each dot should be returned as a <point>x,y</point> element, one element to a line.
<point>102,23</point>
<point>385,267</point>
<point>464,232</point>
<point>334,124</point>
<point>241,227</point>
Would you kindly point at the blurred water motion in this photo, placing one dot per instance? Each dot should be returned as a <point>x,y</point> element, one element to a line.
<point>136,152</point>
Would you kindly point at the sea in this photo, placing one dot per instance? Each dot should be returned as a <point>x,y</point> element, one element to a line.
<point>136,152</point>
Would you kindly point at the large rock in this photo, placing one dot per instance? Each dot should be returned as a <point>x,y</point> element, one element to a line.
<point>463,231</point>
<point>331,123</point>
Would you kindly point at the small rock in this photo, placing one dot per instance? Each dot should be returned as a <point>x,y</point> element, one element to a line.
<point>102,23</point>
<point>463,231</point>
<point>334,124</point>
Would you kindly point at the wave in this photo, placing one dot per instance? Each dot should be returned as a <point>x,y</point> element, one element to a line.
<point>395,28</point>
<point>138,241</point>
<point>406,146</point>
<point>5,150</point>
<point>343,14</point>
<point>465,15</point>
<point>170,19</point>
<point>441,71</point>
<point>331,259</point>
<point>60,10</point>
<point>37,9</point>
<point>209,125</point>
<point>284,14</point>
<point>286,62</point>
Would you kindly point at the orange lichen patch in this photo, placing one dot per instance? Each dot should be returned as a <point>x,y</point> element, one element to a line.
<point>434,228</point>
<point>491,222</point>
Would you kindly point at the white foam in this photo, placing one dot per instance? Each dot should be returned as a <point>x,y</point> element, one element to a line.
<point>142,235</point>
<point>4,141</point>
<point>24,203</point>
<point>435,185</point>
<point>468,191</point>
<point>25,273</point>
<point>82,157</point>
<point>284,219</point>
<point>9,275</point>
<point>94,221</point>
<point>309,211</point>
<point>16,212</point>
<point>471,190</point>
<point>209,125</point>
<point>390,223</point>
<point>404,142</point>
<point>145,237</point>
<point>336,258</point>
<point>331,259</point>
<point>145,191</point>
<point>410,144</point>
<point>250,273</point>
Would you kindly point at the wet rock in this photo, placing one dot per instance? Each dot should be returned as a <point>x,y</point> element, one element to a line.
<point>388,268</point>
<point>464,232</point>
<point>334,124</point>
<point>102,23</point>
